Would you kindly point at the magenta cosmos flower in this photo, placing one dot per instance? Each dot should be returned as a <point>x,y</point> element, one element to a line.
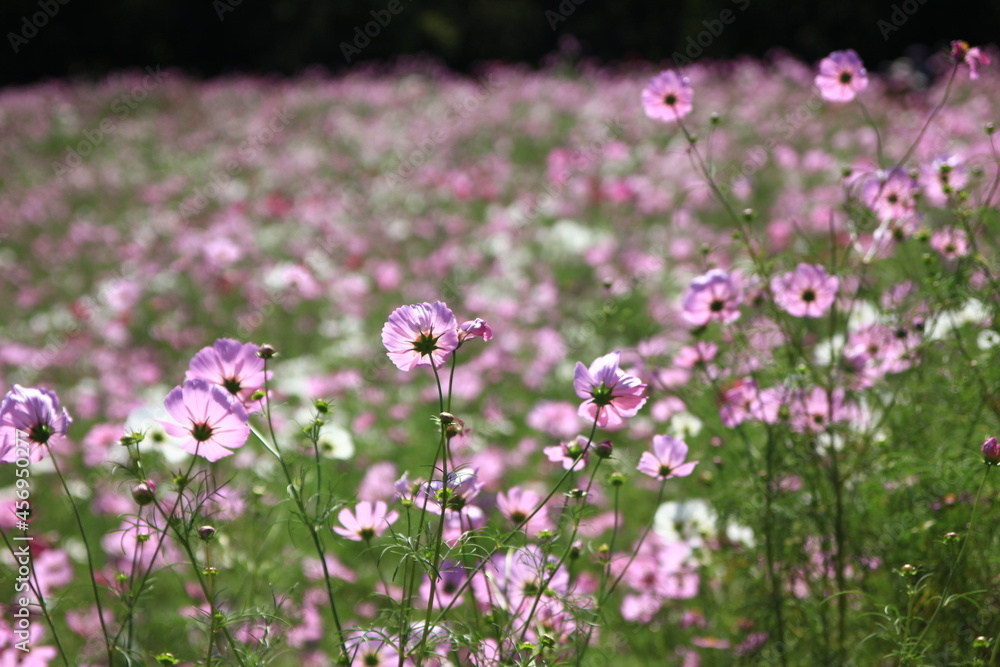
<point>667,97</point>
<point>210,421</point>
<point>230,364</point>
<point>667,460</point>
<point>610,393</point>
<point>713,297</point>
<point>368,520</point>
<point>420,335</point>
<point>34,413</point>
<point>841,76</point>
<point>805,292</point>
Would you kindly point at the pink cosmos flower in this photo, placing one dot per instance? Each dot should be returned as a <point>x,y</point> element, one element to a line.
<point>973,57</point>
<point>420,335</point>
<point>373,649</point>
<point>447,592</point>
<point>611,394</point>
<point>805,292</point>
<point>951,242</point>
<point>34,413</point>
<point>667,460</point>
<point>573,455</point>
<point>230,364</point>
<point>814,410</point>
<point>712,297</point>
<point>475,328</point>
<point>891,195</point>
<point>368,520</point>
<point>667,97</point>
<point>517,504</point>
<point>841,76</point>
<point>210,421</point>
<point>943,177</point>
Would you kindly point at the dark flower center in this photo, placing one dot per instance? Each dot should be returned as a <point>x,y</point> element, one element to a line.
<point>665,471</point>
<point>670,100</point>
<point>367,533</point>
<point>518,517</point>
<point>372,659</point>
<point>818,419</point>
<point>809,296</point>
<point>425,344</point>
<point>41,433</point>
<point>845,77</point>
<point>232,385</point>
<point>893,198</point>
<point>201,432</point>
<point>716,306</point>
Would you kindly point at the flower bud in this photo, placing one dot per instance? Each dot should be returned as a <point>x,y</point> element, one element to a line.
<point>144,492</point>
<point>991,452</point>
<point>265,351</point>
<point>603,449</point>
<point>206,533</point>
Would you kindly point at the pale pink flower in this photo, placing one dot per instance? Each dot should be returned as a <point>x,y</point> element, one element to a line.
<point>30,418</point>
<point>611,394</point>
<point>667,460</point>
<point>805,292</point>
<point>712,297</point>
<point>951,242</point>
<point>210,421</point>
<point>667,97</point>
<point>420,335</point>
<point>233,365</point>
<point>368,520</point>
<point>841,76</point>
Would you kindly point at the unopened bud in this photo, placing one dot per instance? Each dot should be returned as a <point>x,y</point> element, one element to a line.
<point>991,452</point>
<point>603,449</point>
<point>206,532</point>
<point>265,351</point>
<point>144,492</point>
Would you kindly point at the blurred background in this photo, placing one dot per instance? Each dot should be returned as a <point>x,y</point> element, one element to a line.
<point>205,38</point>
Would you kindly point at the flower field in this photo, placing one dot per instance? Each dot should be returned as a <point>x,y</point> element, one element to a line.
<point>562,367</point>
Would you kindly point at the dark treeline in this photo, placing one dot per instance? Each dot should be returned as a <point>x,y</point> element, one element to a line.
<point>88,38</point>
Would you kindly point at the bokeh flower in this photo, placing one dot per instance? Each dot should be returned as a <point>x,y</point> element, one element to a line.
<point>841,76</point>
<point>805,292</point>
<point>712,297</point>
<point>667,97</point>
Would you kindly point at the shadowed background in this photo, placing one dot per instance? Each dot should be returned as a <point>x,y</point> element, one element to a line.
<point>88,38</point>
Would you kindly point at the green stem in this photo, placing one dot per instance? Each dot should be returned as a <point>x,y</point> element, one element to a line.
<point>90,559</point>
